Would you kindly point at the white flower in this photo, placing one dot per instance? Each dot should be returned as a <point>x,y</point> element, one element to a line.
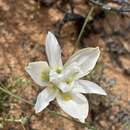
<point>63,82</point>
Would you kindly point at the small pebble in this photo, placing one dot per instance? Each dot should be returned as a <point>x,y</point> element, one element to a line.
<point>103,124</point>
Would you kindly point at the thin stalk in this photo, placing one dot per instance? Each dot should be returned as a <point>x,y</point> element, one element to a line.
<point>38,6</point>
<point>83,27</point>
<point>15,96</point>
<point>70,119</point>
<point>10,120</point>
<point>48,110</point>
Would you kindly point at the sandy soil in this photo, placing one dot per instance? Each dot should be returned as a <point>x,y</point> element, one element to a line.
<point>23,29</point>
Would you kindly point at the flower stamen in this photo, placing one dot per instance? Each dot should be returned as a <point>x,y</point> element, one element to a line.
<point>66,96</point>
<point>45,76</point>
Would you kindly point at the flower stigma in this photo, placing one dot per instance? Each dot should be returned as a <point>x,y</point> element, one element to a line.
<point>70,80</point>
<point>59,69</point>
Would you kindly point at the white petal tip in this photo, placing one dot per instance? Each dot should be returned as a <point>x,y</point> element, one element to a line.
<point>102,93</point>
<point>37,110</point>
<point>50,33</point>
<point>82,120</point>
<point>27,68</point>
<point>105,94</point>
<point>97,49</point>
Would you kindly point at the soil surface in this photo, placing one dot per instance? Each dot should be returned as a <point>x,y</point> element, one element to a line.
<point>23,28</point>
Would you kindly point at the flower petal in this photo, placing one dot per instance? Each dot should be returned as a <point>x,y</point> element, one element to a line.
<point>85,86</point>
<point>64,87</point>
<point>43,99</point>
<point>35,70</point>
<point>53,51</point>
<point>86,59</point>
<point>71,71</point>
<point>77,107</point>
<point>55,77</point>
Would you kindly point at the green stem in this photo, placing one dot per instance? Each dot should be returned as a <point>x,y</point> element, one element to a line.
<point>48,110</point>
<point>83,27</point>
<point>10,120</point>
<point>15,96</point>
<point>38,6</point>
<point>70,119</point>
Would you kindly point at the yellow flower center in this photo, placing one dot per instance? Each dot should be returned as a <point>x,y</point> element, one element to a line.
<point>58,70</point>
<point>45,76</point>
<point>66,96</point>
